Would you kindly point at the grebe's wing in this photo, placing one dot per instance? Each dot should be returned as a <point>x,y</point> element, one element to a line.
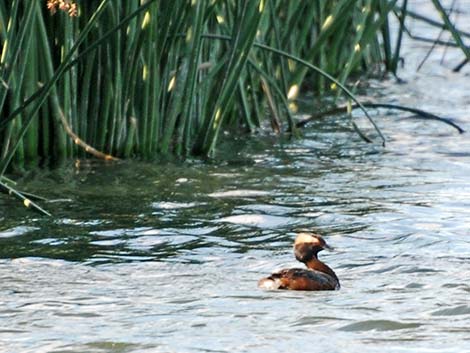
<point>299,279</point>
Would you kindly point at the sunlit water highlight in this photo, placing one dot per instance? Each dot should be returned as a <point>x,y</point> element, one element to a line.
<point>165,258</point>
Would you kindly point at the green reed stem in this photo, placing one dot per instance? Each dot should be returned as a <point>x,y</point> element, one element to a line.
<point>450,26</point>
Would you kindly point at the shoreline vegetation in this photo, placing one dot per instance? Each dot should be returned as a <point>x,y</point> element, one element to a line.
<point>119,79</point>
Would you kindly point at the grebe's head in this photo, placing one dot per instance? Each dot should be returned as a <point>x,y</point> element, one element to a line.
<point>308,245</point>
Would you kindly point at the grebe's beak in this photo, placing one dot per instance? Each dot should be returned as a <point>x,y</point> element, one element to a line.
<point>327,247</point>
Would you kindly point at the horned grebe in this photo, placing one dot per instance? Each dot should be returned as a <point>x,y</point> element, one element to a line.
<point>317,276</point>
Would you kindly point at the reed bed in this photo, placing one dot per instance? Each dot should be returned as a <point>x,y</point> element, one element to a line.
<point>136,78</point>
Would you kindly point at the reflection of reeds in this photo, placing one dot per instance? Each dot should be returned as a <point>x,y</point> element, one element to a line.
<point>148,78</point>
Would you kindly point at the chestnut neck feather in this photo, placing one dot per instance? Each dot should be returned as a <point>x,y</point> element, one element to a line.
<point>317,265</point>
<point>308,254</point>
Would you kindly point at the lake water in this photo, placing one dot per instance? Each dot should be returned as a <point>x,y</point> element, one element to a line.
<point>140,257</point>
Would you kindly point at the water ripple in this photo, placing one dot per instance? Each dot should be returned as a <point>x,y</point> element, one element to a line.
<point>379,325</point>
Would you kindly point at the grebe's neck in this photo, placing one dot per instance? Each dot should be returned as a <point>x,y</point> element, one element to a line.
<point>317,265</point>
